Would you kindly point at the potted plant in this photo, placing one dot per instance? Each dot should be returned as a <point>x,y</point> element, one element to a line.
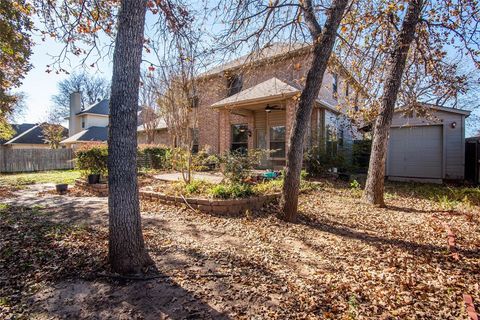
<point>93,178</point>
<point>61,188</point>
<point>92,160</point>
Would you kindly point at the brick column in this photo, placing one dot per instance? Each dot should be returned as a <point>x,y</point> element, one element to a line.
<point>291,106</point>
<point>225,133</point>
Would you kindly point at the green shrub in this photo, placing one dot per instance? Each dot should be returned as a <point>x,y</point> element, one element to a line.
<point>203,161</point>
<point>319,161</point>
<point>231,191</point>
<point>158,157</point>
<point>92,159</point>
<point>270,186</point>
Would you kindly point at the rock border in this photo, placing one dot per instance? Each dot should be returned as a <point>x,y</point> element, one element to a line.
<point>228,206</point>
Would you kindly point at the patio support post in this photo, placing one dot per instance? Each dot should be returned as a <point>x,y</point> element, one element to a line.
<point>225,134</point>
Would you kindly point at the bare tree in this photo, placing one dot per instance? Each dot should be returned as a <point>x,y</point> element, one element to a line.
<point>178,100</point>
<point>91,87</point>
<point>150,117</point>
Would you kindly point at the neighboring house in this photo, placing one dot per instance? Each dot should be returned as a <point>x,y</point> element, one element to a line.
<point>91,124</point>
<point>28,136</point>
<point>161,134</point>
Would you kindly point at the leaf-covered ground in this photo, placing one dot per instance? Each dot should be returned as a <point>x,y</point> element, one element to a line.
<point>343,260</point>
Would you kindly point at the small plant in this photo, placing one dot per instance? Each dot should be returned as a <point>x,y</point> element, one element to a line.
<point>237,166</point>
<point>355,185</point>
<point>195,186</point>
<point>231,191</point>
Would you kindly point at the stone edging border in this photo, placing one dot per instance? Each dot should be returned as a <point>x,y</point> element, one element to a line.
<point>229,206</point>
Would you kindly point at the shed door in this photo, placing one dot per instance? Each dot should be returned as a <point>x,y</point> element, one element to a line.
<point>415,152</point>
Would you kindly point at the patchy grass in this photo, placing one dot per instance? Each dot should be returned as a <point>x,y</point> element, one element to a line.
<point>449,196</point>
<point>56,176</point>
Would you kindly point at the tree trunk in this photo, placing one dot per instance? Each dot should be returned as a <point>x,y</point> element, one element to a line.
<point>374,187</point>
<point>127,254</point>
<point>322,49</point>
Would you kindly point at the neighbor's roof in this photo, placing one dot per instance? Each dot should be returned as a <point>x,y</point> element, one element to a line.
<point>34,135</point>
<point>19,129</point>
<point>267,90</point>
<point>161,125</point>
<point>101,107</point>
<point>88,135</point>
<point>439,108</point>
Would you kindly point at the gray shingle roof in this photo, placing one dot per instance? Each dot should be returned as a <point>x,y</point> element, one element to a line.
<point>19,129</point>
<point>101,107</point>
<point>273,50</point>
<point>34,135</point>
<point>91,134</point>
<point>272,88</point>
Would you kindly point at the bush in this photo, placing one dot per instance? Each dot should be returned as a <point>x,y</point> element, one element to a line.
<point>156,157</point>
<point>230,191</point>
<point>237,166</point>
<point>320,162</point>
<point>203,161</point>
<point>92,159</point>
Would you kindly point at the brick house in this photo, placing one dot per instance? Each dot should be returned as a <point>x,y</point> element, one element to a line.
<point>250,103</point>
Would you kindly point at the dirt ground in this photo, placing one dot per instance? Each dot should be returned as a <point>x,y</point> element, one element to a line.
<point>342,260</point>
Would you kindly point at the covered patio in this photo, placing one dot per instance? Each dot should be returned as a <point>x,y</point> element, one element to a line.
<point>261,117</point>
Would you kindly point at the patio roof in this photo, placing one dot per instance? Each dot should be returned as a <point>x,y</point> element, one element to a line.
<point>272,89</point>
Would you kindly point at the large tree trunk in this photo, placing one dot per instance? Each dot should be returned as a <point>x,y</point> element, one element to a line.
<point>127,254</point>
<point>376,171</point>
<point>322,49</point>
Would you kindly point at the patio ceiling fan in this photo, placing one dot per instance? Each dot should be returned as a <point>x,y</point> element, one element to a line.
<point>270,108</point>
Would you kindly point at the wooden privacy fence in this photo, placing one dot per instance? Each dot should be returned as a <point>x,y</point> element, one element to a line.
<point>25,160</point>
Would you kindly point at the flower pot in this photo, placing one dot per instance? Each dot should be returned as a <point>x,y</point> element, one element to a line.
<point>61,188</point>
<point>93,178</point>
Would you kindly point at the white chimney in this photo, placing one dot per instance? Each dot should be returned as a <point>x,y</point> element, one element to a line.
<point>75,107</point>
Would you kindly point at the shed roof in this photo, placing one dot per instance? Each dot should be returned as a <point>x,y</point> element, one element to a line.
<point>439,108</point>
<point>161,125</point>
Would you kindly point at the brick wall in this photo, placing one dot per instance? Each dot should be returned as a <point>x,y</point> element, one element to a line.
<point>214,125</point>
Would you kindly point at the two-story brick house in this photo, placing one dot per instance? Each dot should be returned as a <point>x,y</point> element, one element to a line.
<point>250,102</point>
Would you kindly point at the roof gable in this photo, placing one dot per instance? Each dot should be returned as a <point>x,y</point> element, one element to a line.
<point>101,108</point>
<point>34,135</point>
<point>272,88</point>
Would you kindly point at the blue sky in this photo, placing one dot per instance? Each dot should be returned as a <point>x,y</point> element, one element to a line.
<point>39,86</point>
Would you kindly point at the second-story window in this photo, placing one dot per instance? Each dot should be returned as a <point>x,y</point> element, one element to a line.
<point>83,123</point>
<point>234,84</point>
<point>335,85</point>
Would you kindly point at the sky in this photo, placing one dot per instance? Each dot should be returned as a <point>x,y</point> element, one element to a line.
<point>39,86</point>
